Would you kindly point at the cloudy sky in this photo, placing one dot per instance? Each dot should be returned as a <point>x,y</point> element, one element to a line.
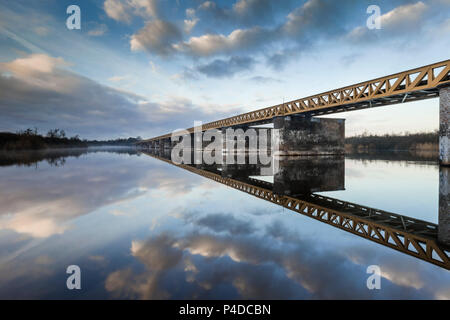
<point>147,67</point>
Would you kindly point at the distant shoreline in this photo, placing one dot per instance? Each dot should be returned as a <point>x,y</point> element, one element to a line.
<point>419,147</point>
<point>416,142</point>
<point>31,141</point>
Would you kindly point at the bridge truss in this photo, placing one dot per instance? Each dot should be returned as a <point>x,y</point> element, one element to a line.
<point>412,85</point>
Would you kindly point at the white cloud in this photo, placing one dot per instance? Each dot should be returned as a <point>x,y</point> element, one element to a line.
<point>397,21</point>
<point>32,64</point>
<point>190,13</point>
<point>123,11</point>
<point>145,8</point>
<point>406,15</point>
<point>99,30</point>
<point>211,44</point>
<point>189,24</point>
<point>117,10</point>
<point>40,71</point>
<point>191,20</point>
<point>118,78</point>
<point>157,36</point>
<point>207,5</point>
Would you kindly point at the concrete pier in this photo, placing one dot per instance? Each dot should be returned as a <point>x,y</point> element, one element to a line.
<point>444,131</point>
<point>246,139</point>
<point>301,136</point>
<point>236,171</point>
<point>305,175</point>
<point>444,205</point>
<point>291,136</point>
<point>166,143</point>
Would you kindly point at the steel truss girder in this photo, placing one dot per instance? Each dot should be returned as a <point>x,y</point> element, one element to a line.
<point>420,83</point>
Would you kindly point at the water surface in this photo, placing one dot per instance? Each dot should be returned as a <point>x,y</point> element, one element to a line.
<point>140,228</point>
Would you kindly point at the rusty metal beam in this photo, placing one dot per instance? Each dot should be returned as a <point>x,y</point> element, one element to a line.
<point>411,85</point>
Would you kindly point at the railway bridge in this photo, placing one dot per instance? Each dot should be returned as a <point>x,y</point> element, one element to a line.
<point>302,133</point>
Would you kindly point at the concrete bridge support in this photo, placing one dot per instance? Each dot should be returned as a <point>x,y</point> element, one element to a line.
<point>305,175</point>
<point>291,136</point>
<point>237,171</point>
<point>301,136</point>
<point>246,139</point>
<point>212,139</point>
<point>163,153</point>
<point>166,143</point>
<point>146,145</point>
<point>193,141</point>
<point>444,130</point>
<point>444,205</point>
<point>187,148</point>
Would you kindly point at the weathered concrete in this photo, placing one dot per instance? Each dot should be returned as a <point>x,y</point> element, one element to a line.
<point>166,143</point>
<point>246,139</point>
<point>444,205</point>
<point>444,131</point>
<point>197,141</point>
<point>163,153</point>
<point>185,142</point>
<point>309,136</point>
<point>211,139</point>
<point>161,144</point>
<point>305,175</point>
<point>240,170</point>
<point>291,136</point>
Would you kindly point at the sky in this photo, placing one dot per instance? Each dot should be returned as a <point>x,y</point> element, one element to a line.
<point>148,67</point>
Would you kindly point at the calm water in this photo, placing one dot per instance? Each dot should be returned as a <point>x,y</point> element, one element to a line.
<point>140,228</point>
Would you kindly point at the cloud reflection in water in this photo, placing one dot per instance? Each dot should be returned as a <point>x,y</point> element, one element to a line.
<point>188,237</point>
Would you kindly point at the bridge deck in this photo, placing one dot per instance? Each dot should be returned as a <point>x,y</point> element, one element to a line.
<point>411,85</point>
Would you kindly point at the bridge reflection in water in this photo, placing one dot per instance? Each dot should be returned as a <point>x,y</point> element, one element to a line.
<point>294,186</point>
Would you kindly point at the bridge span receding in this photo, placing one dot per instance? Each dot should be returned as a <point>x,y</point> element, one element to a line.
<point>430,81</point>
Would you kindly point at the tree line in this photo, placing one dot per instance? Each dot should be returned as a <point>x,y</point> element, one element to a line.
<point>31,139</point>
<point>405,141</point>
